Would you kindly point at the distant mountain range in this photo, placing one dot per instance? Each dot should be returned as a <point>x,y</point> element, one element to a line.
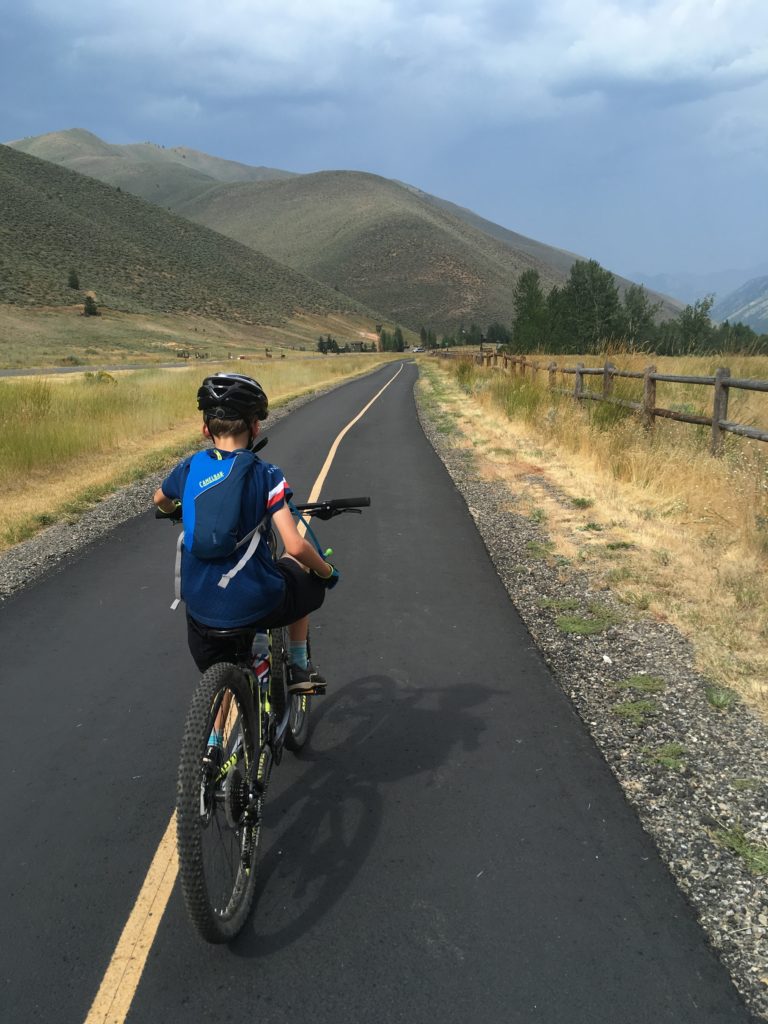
<point>748,304</point>
<point>415,258</point>
<point>688,287</point>
<point>135,256</point>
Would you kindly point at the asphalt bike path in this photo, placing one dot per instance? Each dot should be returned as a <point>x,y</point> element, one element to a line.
<point>450,846</point>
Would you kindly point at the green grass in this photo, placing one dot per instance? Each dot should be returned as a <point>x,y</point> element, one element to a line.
<point>755,855</point>
<point>582,502</point>
<point>720,697</point>
<point>599,619</point>
<point>539,549</point>
<point>643,684</point>
<point>746,784</point>
<point>636,711</point>
<point>668,755</point>
<point>560,604</point>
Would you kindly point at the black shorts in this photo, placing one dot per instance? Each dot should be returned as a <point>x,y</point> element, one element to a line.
<point>304,593</point>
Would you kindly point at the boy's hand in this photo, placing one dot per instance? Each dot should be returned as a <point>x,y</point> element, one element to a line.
<point>173,514</point>
<point>330,581</point>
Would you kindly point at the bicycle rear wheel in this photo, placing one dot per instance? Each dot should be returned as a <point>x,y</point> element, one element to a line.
<point>218,822</point>
<point>297,732</point>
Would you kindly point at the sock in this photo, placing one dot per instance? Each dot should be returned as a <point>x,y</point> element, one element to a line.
<point>216,739</point>
<point>297,653</point>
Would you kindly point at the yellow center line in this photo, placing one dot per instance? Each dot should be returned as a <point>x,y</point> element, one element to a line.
<point>122,977</point>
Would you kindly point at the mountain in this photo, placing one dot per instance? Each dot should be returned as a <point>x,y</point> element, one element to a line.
<point>418,259</point>
<point>748,304</point>
<point>135,256</point>
<point>688,287</point>
<point>159,175</point>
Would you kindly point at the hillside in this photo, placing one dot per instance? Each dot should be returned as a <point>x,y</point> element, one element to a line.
<point>418,259</point>
<point>133,255</point>
<point>160,175</point>
<point>748,304</point>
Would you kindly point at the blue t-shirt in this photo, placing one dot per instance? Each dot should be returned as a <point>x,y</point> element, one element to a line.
<point>258,588</point>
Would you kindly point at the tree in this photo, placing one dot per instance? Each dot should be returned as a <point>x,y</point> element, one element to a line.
<point>591,305</point>
<point>398,340</point>
<point>322,345</point>
<point>638,315</point>
<point>73,281</point>
<point>89,306</point>
<point>694,328</point>
<point>499,334</point>
<point>424,337</point>
<point>530,325</point>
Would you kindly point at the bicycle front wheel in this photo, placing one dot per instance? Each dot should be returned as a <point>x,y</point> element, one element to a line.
<point>218,804</point>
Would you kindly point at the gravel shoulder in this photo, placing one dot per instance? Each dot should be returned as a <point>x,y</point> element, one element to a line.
<point>696,775</point>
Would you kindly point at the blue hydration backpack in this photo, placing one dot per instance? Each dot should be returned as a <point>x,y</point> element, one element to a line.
<point>211,507</point>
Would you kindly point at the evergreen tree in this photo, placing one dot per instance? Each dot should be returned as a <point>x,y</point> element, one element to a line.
<point>530,325</point>
<point>638,314</point>
<point>591,305</point>
<point>89,306</point>
<point>423,336</point>
<point>499,334</point>
<point>398,341</point>
<point>73,281</point>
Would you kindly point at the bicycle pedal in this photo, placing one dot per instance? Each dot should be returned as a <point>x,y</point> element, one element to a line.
<point>318,690</point>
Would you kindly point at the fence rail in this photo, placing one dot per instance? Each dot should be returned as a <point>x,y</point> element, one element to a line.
<point>722,383</point>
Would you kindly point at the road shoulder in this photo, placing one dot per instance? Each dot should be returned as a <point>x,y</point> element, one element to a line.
<point>696,775</point>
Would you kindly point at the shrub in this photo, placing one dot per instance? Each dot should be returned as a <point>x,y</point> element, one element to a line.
<point>89,306</point>
<point>73,280</point>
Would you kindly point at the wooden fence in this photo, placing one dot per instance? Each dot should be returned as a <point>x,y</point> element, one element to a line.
<point>721,382</point>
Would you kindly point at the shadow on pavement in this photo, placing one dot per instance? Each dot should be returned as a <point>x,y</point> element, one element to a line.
<point>320,830</point>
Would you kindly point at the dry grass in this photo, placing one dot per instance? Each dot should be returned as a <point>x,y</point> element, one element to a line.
<point>54,336</point>
<point>74,441</point>
<point>677,534</point>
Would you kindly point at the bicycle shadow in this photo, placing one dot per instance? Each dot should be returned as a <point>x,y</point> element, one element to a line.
<point>319,831</point>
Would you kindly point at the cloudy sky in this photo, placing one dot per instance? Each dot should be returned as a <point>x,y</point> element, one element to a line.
<point>633,132</point>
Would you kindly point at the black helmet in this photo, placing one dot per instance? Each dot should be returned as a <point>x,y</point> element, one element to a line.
<point>232,396</point>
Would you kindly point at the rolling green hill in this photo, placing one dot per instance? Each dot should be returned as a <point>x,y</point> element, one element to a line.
<point>135,256</point>
<point>160,175</point>
<point>418,259</point>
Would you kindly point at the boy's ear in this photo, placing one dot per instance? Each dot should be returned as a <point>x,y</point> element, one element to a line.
<point>255,428</point>
<point>206,431</point>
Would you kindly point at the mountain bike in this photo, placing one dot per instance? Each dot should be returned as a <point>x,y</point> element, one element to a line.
<point>220,802</point>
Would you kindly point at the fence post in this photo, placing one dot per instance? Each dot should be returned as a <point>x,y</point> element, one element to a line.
<point>523,364</point>
<point>578,387</point>
<point>719,408</point>
<point>608,379</point>
<point>649,397</point>
<point>534,370</point>
<point>552,370</point>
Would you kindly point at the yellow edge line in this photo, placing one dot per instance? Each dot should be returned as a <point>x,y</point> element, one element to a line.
<point>122,977</point>
<point>115,995</point>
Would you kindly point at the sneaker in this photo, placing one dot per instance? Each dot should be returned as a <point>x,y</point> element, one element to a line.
<point>304,680</point>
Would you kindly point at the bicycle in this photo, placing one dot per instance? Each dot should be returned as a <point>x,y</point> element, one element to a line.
<point>219,806</point>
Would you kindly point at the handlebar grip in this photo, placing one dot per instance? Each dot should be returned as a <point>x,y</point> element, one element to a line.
<point>335,503</point>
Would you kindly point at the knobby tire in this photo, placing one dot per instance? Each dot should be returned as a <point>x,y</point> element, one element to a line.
<point>218,918</point>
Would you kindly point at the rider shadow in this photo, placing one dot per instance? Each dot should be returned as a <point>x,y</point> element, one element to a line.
<point>322,827</point>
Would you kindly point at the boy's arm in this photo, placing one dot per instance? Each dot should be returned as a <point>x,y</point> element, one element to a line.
<point>163,502</point>
<point>296,546</point>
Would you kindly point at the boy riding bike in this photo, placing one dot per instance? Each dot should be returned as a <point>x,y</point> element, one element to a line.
<point>229,497</point>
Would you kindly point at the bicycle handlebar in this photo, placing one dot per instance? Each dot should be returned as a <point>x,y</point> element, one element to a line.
<point>324,509</point>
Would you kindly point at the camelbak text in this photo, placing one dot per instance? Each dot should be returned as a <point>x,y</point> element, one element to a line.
<point>212,479</point>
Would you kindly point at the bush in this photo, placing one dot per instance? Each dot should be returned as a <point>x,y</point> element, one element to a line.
<point>73,280</point>
<point>89,306</point>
